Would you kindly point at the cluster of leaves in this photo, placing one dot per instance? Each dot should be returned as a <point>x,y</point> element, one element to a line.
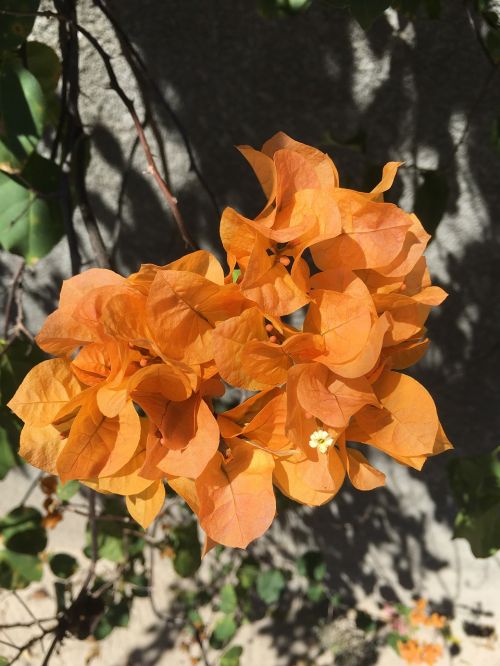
<point>475,483</point>
<point>242,590</point>
<point>31,219</point>
<point>16,359</point>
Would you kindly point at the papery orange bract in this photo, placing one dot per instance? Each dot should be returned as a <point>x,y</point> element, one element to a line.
<point>131,403</point>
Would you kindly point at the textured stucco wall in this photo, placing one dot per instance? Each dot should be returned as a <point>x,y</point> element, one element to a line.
<point>234,77</point>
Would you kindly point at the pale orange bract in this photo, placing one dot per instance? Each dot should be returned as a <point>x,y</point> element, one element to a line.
<point>128,404</point>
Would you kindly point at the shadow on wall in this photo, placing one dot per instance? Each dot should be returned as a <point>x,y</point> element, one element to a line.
<point>238,78</point>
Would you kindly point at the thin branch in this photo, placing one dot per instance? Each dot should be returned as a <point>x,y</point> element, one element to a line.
<point>129,105</point>
<point>31,488</point>
<point>11,299</point>
<point>28,610</point>
<point>21,625</point>
<point>129,46</point>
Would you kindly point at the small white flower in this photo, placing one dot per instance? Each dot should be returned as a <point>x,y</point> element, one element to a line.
<point>320,440</point>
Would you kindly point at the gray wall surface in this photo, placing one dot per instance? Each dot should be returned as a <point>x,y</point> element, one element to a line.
<point>422,93</point>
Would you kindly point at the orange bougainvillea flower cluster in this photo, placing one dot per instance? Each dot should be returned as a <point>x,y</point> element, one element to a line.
<point>415,652</point>
<point>128,402</point>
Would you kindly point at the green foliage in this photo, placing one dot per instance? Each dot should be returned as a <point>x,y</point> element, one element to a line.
<point>116,615</point>
<point>43,62</point>
<point>247,573</point>
<point>18,571</point>
<point>312,566</point>
<point>186,545</point>
<point>228,599</point>
<point>15,29</point>
<point>223,631</point>
<point>393,638</point>
<point>22,531</point>
<point>31,219</point>
<point>232,656</point>
<point>270,585</point>
<point>22,111</point>
<point>66,491</point>
<point>16,359</point>
<point>475,483</point>
<point>63,565</point>
<point>114,540</point>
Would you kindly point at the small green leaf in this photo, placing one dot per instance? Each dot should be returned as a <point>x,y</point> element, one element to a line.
<point>31,218</point>
<point>44,64</point>
<point>22,531</point>
<point>394,638</point>
<point>232,656</point>
<point>270,585</point>
<point>312,565</point>
<point>224,630</point>
<point>228,599</point>
<point>63,565</point>
<point>8,431</point>
<point>65,491</point>
<point>475,483</point>
<point>186,544</point>
<point>187,562</point>
<point>236,274</point>
<point>25,569</point>
<point>15,29</point>
<point>22,115</point>
<point>117,615</point>
<point>247,573</point>
<point>316,592</point>
<point>493,44</point>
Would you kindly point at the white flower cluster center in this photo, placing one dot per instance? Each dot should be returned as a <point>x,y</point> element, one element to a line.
<point>320,440</point>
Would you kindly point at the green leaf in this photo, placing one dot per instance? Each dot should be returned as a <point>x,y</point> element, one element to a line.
<point>25,569</point>
<point>65,491</point>
<point>228,600</point>
<point>187,562</point>
<point>186,545</point>
<point>270,585</point>
<point>315,592</point>
<point>475,483</point>
<point>4,661</point>
<point>15,364</point>
<point>493,44</point>
<point>63,565</point>
<point>44,64</point>
<point>22,531</point>
<point>30,218</point>
<point>22,115</point>
<point>232,656</point>
<point>15,29</point>
<point>236,274</point>
<point>8,459</point>
<point>312,565</point>
<point>366,11</point>
<point>117,615</point>
<point>247,573</point>
<point>431,200</point>
<point>394,638</point>
<point>224,630</point>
